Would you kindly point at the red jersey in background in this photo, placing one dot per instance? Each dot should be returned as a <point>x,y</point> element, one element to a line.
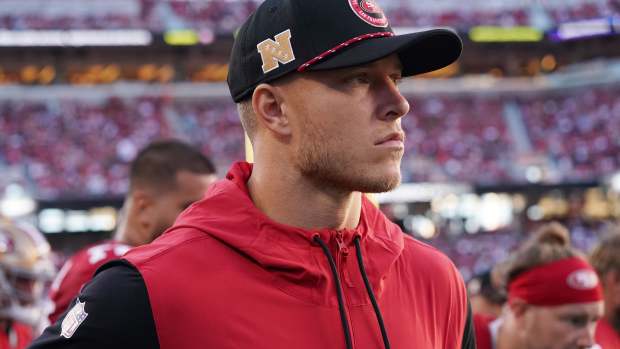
<point>606,336</point>
<point>18,337</point>
<point>78,270</point>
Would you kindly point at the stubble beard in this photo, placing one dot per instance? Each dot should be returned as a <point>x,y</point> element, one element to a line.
<point>320,161</point>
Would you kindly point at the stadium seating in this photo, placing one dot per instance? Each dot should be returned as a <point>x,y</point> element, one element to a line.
<point>476,253</point>
<point>73,147</point>
<point>580,133</point>
<point>456,139</point>
<point>78,148</point>
<point>220,17</point>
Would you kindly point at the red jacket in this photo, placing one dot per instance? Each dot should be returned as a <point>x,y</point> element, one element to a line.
<point>78,270</point>
<point>606,336</point>
<point>226,276</point>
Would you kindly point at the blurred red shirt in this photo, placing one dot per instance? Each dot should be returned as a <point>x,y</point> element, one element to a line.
<point>606,336</point>
<point>19,337</point>
<point>78,270</point>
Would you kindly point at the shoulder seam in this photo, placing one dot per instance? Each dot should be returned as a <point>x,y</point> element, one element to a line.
<point>169,249</point>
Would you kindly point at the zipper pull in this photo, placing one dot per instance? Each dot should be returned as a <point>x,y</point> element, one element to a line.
<point>342,247</point>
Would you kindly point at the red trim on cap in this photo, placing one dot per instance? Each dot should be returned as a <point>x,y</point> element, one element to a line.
<point>341,46</point>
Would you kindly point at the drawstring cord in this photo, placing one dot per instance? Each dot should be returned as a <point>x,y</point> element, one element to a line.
<point>343,315</point>
<point>371,295</point>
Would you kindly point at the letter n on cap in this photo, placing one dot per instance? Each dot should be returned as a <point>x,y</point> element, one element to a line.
<point>275,52</point>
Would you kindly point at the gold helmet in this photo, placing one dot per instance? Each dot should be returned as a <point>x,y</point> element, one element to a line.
<point>25,272</point>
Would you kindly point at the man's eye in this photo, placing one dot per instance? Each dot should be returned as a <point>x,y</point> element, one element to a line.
<point>362,79</point>
<point>359,79</point>
<point>577,321</point>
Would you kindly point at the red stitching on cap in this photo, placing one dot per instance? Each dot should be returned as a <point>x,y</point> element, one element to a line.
<point>341,46</point>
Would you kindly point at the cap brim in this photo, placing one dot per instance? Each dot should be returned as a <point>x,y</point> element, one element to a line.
<point>419,52</point>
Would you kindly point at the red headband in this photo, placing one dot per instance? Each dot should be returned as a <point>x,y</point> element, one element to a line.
<point>567,281</point>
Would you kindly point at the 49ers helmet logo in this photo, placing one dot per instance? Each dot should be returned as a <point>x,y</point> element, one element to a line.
<point>370,12</point>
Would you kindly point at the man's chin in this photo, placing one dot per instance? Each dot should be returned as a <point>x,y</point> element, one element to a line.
<point>380,185</point>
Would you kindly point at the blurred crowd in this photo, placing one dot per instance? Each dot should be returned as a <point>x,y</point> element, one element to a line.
<point>81,148</point>
<point>543,14</point>
<point>456,138</point>
<point>218,16</point>
<point>476,253</point>
<point>69,147</point>
<point>580,134</point>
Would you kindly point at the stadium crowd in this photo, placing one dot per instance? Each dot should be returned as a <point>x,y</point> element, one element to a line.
<point>219,17</point>
<point>456,138</point>
<point>54,143</point>
<point>475,253</point>
<point>580,133</point>
<point>449,138</point>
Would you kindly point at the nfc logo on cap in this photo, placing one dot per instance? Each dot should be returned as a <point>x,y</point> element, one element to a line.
<point>275,52</point>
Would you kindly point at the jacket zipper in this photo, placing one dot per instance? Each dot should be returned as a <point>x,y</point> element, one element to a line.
<point>343,252</point>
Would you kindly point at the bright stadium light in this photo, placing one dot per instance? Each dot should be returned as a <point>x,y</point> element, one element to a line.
<point>615,182</point>
<point>495,211</point>
<point>421,226</point>
<point>505,34</point>
<point>533,174</point>
<point>102,219</point>
<point>535,213</point>
<point>51,220</point>
<point>16,202</point>
<point>581,29</point>
<point>113,37</point>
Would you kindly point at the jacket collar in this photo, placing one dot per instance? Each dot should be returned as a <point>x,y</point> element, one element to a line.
<point>228,214</point>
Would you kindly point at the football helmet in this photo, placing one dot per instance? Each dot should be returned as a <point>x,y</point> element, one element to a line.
<point>26,269</point>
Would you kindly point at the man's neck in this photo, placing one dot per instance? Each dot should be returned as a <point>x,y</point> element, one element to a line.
<point>123,234</point>
<point>291,199</point>
<point>507,339</point>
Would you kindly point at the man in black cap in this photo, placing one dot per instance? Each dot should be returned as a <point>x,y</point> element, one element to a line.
<point>287,252</point>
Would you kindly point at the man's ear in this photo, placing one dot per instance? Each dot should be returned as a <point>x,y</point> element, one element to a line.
<point>518,307</point>
<point>142,209</point>
<point>267,103</point>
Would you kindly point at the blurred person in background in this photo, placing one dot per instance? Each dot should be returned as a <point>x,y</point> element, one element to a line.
<point>165,178</point>
<point>485,298</point>
<point>26,269</point>
<point>554,297</point>
<point>605,258</point>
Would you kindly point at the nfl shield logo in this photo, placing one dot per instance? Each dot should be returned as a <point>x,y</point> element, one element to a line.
<point>74,319</point>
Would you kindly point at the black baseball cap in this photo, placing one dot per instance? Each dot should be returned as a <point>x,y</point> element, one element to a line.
<point>283,36</point>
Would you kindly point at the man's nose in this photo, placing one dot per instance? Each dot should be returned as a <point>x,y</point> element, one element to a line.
<point>395,105</point>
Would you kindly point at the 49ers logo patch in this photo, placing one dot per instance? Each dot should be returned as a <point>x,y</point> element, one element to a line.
<point>370,12</point>
<point>582,279</point>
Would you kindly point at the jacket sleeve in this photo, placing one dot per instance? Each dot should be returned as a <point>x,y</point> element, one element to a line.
<point>113,312</point>
<point>469,337</point>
